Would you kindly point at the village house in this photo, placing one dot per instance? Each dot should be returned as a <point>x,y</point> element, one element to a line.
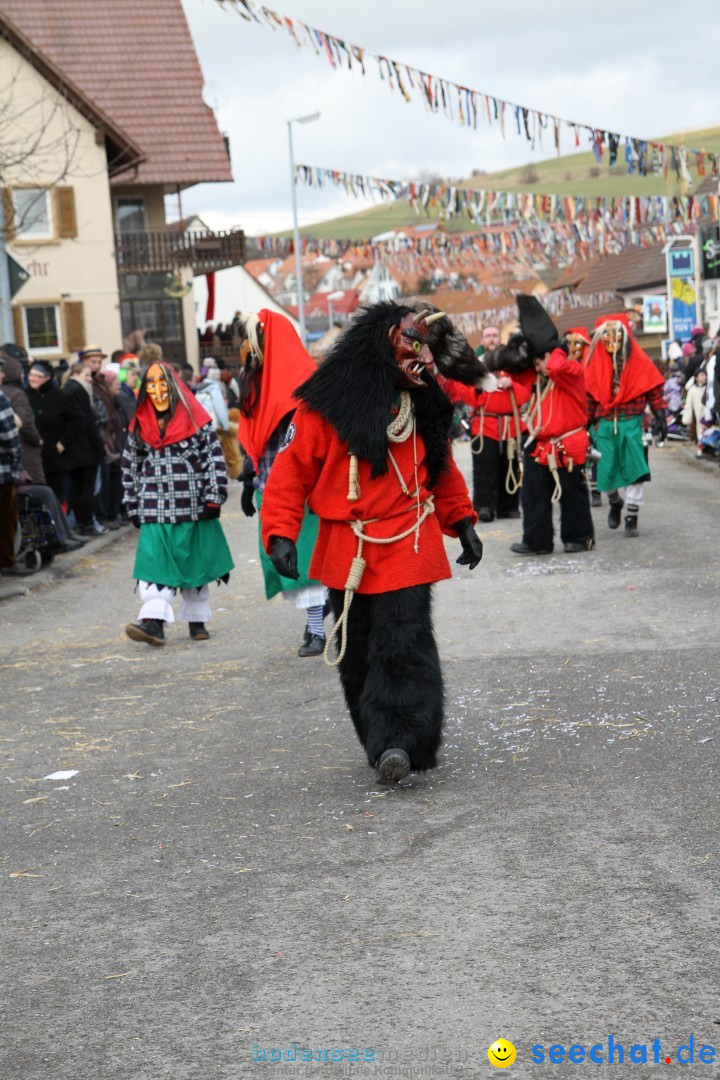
<point>108,99</point>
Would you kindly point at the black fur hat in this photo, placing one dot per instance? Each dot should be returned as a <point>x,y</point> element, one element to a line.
<point>355,387</point>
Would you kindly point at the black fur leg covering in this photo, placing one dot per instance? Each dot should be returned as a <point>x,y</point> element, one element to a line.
<point>391,674</point>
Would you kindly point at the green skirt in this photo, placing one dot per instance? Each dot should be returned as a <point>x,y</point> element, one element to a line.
<point>184,555</point>
<point>623,458</point>
<point>274,582</point>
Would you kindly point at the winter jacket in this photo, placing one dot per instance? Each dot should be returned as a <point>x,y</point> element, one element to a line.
<point>174,483</point>
<point>10,453</point>
<point>89,447</point>
<point>30,441</point>
<point>59,419</point>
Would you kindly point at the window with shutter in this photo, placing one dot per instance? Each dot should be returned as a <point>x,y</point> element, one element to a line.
<point>65,219</point>
<point>18,328</point>
<point>9,208</point>
<point>74,324</point>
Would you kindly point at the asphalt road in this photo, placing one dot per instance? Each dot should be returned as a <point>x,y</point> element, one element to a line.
<point>221,877</point>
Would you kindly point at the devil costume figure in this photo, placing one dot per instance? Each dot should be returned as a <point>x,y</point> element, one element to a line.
<point>368,450</point>
<point>621,381</point>
<point>273,363</point>
<point>556,450</point>
<point>175,483</point>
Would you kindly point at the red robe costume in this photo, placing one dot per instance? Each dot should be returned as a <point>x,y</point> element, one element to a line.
<point>558,412</point>
<point>314,467</point>
<point>493,418</point>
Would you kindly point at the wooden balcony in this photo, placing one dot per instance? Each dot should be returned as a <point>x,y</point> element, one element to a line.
<point>166,249</point>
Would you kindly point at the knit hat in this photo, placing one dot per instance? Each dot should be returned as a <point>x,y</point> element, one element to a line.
<point>687,349</point>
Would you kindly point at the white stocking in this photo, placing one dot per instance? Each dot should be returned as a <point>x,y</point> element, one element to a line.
<point>194,606</point>
<point>635,494</point>
<point>156,603</point>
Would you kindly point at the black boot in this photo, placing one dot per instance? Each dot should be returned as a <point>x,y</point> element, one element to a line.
<point>148,630</point>
<point>595,498</point>
<point>313,645</point>
<point>615,513</point>
<point>485,514</point>
<point>393,765</point>
<point>631,528</point>
<point>198,631</point>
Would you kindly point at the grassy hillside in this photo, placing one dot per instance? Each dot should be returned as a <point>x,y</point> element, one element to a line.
<point>572,174</point>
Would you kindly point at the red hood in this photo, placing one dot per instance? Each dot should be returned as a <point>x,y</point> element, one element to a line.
<point>286,364</point>
<point>188,417</point>
<point>639,375</point>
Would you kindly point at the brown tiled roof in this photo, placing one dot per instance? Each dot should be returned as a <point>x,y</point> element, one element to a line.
<point>123,152</point>
<point>630,269</point>
<point>135,59</point>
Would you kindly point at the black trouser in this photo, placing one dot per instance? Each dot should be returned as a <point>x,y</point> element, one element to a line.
<point>489,476</point>
<point>576,524</point>
<point>116,493</point>
<point>82,487</point>
<point>58,481</point>
<point>101,503</point>
<point>391,673</point>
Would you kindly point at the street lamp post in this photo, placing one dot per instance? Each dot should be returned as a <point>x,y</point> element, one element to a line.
<point>296,231</point>
<point>337,295</point>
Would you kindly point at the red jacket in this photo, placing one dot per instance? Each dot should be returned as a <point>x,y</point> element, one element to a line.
<point>496,421</point>
<point>559,411</point>
<point>313,467</point>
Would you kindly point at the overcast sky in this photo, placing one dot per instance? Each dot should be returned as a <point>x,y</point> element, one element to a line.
<point>642,68</point>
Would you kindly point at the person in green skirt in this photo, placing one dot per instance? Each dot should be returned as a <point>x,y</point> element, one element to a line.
<point>175,482</point>
<point>621,382</point>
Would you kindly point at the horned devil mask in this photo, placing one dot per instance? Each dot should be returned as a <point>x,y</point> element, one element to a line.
<point>410,341</point>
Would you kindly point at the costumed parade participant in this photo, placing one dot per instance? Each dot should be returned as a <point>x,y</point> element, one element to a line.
<point>557,446</point>
<point>621,381</point>
<point>273,364</point>
<point>496,432</point>
<point>175,483</point>
<point>369,451</point>
<point>578,340</point>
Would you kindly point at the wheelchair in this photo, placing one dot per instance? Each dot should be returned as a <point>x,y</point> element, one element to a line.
<point>37,541</point>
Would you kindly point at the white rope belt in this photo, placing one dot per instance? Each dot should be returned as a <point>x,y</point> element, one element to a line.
<point>357,569</point>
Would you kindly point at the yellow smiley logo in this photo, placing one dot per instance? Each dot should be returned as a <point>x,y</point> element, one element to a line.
<point>501,1054</point>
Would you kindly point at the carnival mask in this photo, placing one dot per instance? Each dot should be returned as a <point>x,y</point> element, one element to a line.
<point>157,388</point>
<point>613,336</point>
<point>576,347</point>
<point>410,341</point>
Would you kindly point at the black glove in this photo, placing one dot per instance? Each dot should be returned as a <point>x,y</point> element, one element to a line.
<point>471,543</point>
<point>247,499</point>
<point>212,510</point>
<point>284,557</point>
<point>135,521</point>
<point>661,427</point>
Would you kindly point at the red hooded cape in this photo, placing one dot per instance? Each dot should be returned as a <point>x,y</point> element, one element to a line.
<point>188,417</point>
<point>639,374</point>
<point>286,364</point>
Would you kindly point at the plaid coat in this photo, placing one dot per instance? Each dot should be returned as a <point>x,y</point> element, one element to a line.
<point>174,483</point>
<point>10,453</point>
